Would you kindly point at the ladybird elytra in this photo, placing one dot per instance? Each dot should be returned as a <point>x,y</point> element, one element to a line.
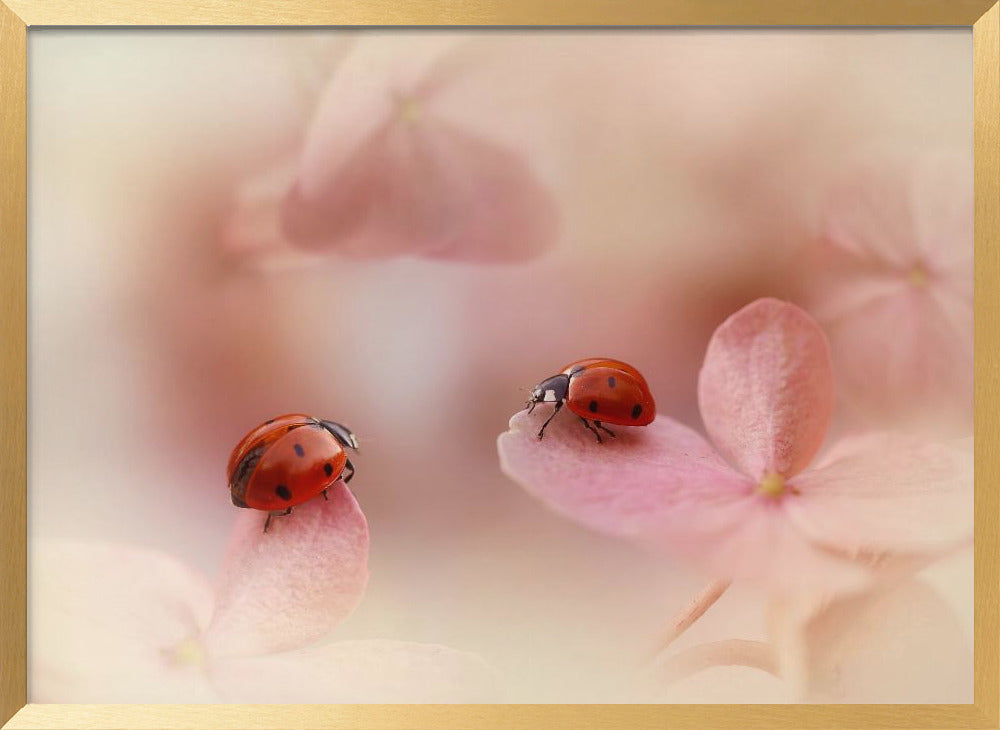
<point>289,460</point>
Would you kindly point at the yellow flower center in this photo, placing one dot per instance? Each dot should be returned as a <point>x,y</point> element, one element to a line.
<point>918,276</point>
<point>772,485</point>
<point>409,109</point>
<point>187,653</point>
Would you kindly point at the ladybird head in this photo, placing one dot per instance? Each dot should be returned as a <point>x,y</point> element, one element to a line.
<point>550,390</point>
<point>342,433</point>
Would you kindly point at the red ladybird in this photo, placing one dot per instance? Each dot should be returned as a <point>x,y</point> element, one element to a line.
<point>287,461</point>
<point>599,389</point>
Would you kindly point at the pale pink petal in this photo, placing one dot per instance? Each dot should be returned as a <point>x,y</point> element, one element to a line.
<point>872,221</point>
<point>289,586</point>
<point>764,546</point>
<point>252,236</point>
<point>943,199</point>
<point>365,93</point>
<point>899,643</point>
<point>114,623</point>
<point>630,486</point>
<point>899,210</point>
<point>887,493</point>
<point>427,188</point>
<point>851,296</point>
<point>924,370</point>
<point>343,672</point>
<point>766,388</point>
<point>663,484</point>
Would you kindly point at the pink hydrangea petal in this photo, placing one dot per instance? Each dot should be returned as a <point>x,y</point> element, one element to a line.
<point>630,486</point>
<point>955,302</point>
<point>923,371</point>
<point>887,493</point>
<point>289,586</point>
<point>951,328</point>
<point>427,188</point>
<point>252,235</point>
<point>373,671</point>
<point>106,621</point>
<point>899,210</point>
<point>363,96</point>
<point>763,546</point>
<point>664,484</point>
<point>943,200</point>
<point>766,388</point>
<point>872,222</point>
<point>898,643</point>
<point>850,296</point>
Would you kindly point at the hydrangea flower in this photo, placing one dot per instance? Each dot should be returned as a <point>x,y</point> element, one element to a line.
<point>890,279</point>
<point>392,165</point>
<point>756,502</point>
<point>112,623</point>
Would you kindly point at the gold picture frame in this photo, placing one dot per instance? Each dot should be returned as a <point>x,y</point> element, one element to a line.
<point>18,16</point>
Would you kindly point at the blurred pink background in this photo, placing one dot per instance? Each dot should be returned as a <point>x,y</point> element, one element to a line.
<point>689,169</point>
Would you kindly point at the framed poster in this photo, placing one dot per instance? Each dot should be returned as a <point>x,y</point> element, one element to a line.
<point>380,373</point>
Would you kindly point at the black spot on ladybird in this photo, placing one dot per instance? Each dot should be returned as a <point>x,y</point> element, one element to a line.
<point>299,451</point>
<point>636,411</point>
<point>282,491</point>
<point>611,381</point>
<point>593,406</point>
<point>328,469</point>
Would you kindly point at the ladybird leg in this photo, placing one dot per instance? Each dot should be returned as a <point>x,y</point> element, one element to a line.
<point>348,477</point>
<point>591,429</point>
<point>606,430</point>
<point>541,431</point>
<point>326,497</point>
<point>267,522</point>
